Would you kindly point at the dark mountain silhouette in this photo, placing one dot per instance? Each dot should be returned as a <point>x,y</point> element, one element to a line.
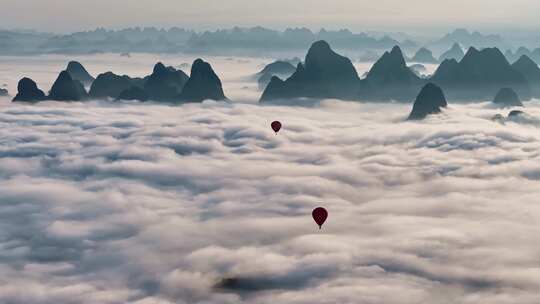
<point>134,93</point>
<point>276,68</point>
<point>203,84</point>
<point>478,75</point>
<point>390,79</point>
<point>507,97</point>
<point>423,55</point>
<point>165,83</point>
<point>455,52</point>
<point>278,88</point>
<point>325,74</point>
<point>531,71</point>
<point>258,40</point>
<point>391,68</point>
<point>65,88</point>
<point>265,79</point>
<point>111,85</point>
<point>78,72</point>
<point>430,101</point>
<point>28,91</point>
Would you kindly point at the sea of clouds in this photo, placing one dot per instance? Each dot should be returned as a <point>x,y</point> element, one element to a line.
<point>106,202</point>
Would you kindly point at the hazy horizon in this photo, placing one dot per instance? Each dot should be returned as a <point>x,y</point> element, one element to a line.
<point>386,15</point>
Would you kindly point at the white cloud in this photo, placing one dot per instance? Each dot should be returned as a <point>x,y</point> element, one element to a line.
<point>148,203</point>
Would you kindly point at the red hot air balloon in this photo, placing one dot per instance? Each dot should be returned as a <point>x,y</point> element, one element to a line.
<point>276,126</point>
<point>320,215</point>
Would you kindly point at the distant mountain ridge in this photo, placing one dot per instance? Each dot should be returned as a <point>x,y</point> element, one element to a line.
<point>477,76</point>
<point>292,38</point>
<point>468,39</point>
<point>165,84</point>
<point>327,74</point>
<point>323,74</point>
<point>234,41</point>
<point>158,40</point>
<point>523,51</point>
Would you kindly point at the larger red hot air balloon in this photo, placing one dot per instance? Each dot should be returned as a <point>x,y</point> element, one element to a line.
<point>320,215</point>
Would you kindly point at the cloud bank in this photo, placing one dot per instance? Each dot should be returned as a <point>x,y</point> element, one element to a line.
<point>104,203</point>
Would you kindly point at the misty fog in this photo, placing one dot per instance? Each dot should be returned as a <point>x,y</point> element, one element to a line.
<point>128,202</point>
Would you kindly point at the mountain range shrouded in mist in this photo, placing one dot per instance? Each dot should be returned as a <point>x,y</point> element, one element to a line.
<point>475,77</point>
<point>165,84</point>
<point>253,41</point>
<point>323,74</point>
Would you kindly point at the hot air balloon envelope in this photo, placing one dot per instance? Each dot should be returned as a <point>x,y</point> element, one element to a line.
<point>320,215</point>
<point>276,126</point>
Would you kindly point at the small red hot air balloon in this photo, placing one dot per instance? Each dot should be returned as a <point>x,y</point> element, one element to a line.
<point>320,215</point>
<point>276,126</point>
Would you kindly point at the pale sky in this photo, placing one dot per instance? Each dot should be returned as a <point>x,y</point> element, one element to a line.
<point>73,15</point>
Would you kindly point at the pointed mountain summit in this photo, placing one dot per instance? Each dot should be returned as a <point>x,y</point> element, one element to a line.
<point>448,71</point>
<point>66,88</point>
<point>391,68</point>
<point>455,52</point>
<point>203,84</point>
<point>28,91</point>
<point>390,79</point>
<point>165,83</point>
<point>325,74</point>
<point>424,56</point>
<point>322,63</point>
<point>507,97</point>
<point>430,101</point>
<point>528,68</point>
<point>79,73</point>
<point>478,75</point>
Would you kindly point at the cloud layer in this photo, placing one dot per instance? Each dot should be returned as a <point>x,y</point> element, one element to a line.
<point>205,204</point>
<point>116,203</point>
